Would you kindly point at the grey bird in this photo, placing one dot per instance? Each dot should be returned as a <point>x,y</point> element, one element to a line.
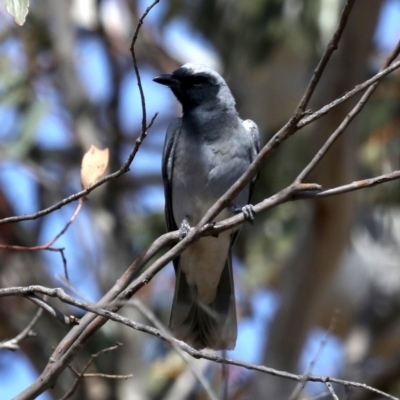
<point>205,152</point>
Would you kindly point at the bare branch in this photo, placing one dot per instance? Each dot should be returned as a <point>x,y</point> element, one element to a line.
<point>13,344</point>
<point>54,312</point>
<point>48,245</point>
<point>345,123</point>
<point>351,93</point>
<point>139,80</point>
<point>108,376</point>
<point>82,374</point>
<point>331,47</point>
<point>331,390</point>
<point>357,185</point>
<point>322,344</point>
<point>57,292</point>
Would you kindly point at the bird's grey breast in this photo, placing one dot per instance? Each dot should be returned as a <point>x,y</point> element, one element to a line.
<point>207,160</point>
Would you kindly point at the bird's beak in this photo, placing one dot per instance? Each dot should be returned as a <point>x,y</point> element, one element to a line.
<point>167,80</point>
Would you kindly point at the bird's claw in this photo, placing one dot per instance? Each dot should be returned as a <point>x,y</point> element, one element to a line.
<point>248,212</point>
<point>184,229</point>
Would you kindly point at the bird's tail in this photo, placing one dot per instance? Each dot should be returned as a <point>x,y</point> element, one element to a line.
<point>205,325</point>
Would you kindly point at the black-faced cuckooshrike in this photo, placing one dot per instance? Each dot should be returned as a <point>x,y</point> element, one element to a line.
<point>205,152</point>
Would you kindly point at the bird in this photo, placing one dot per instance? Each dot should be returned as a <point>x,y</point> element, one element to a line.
<point>205,151</point>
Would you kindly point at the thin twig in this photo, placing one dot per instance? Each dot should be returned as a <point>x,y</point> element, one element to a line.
<point>82,374</point>
<point>293,192</point>
<point>108,376</point>
<point>322,344</point>
<point>135,66</point>
<point>59,293</point>
<point>54,312</point>
<point>48,246</point>
<point>346,96</point>
<point>303,122</point>
<point>345,123</point>
<point>357,185</point>
<point>331,390</point>
<point>13,344</point>
<point>330,48</point>
<point>150,316</point>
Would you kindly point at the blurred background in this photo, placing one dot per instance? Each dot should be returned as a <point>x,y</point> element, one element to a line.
<point>317,282</point>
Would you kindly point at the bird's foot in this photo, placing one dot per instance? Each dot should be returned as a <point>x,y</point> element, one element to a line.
<point>184,229</point>
<point>248,212</point>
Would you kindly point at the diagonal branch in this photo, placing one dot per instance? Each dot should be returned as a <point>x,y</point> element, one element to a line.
<point>331,47</point>
<point>13,344</point>
<point>351,93</point>
<point>331,390</point>
<point>345,123</point>
<point>54,312</point>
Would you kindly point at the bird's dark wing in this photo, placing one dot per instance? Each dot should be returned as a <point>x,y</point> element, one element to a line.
<point>252,130</point>
<point>167,167</point>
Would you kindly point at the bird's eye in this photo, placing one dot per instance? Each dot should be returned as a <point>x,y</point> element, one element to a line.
<point>198,80</point>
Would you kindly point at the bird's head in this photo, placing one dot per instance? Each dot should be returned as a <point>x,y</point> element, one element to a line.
<point>196,85</point>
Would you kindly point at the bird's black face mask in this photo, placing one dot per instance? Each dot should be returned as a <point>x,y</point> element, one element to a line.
<point>192,90</point>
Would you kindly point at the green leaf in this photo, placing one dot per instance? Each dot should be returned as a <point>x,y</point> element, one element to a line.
<point>18,9</point>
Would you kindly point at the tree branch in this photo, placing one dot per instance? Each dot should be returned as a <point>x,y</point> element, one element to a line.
<point>13,344</point>
<point>351,93</point>
<point>330,48</point>
<point>48,245</point>
<point>331,390</point>
<point>82,374</point>
<point>54,312</point>
<point>59,293</point>
<point>345,123</point>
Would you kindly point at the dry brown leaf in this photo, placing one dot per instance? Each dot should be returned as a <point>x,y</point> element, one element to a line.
<point>94,164</point>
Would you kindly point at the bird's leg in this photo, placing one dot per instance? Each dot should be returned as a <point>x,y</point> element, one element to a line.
<point>184,229</point>
<point>248,212</point>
